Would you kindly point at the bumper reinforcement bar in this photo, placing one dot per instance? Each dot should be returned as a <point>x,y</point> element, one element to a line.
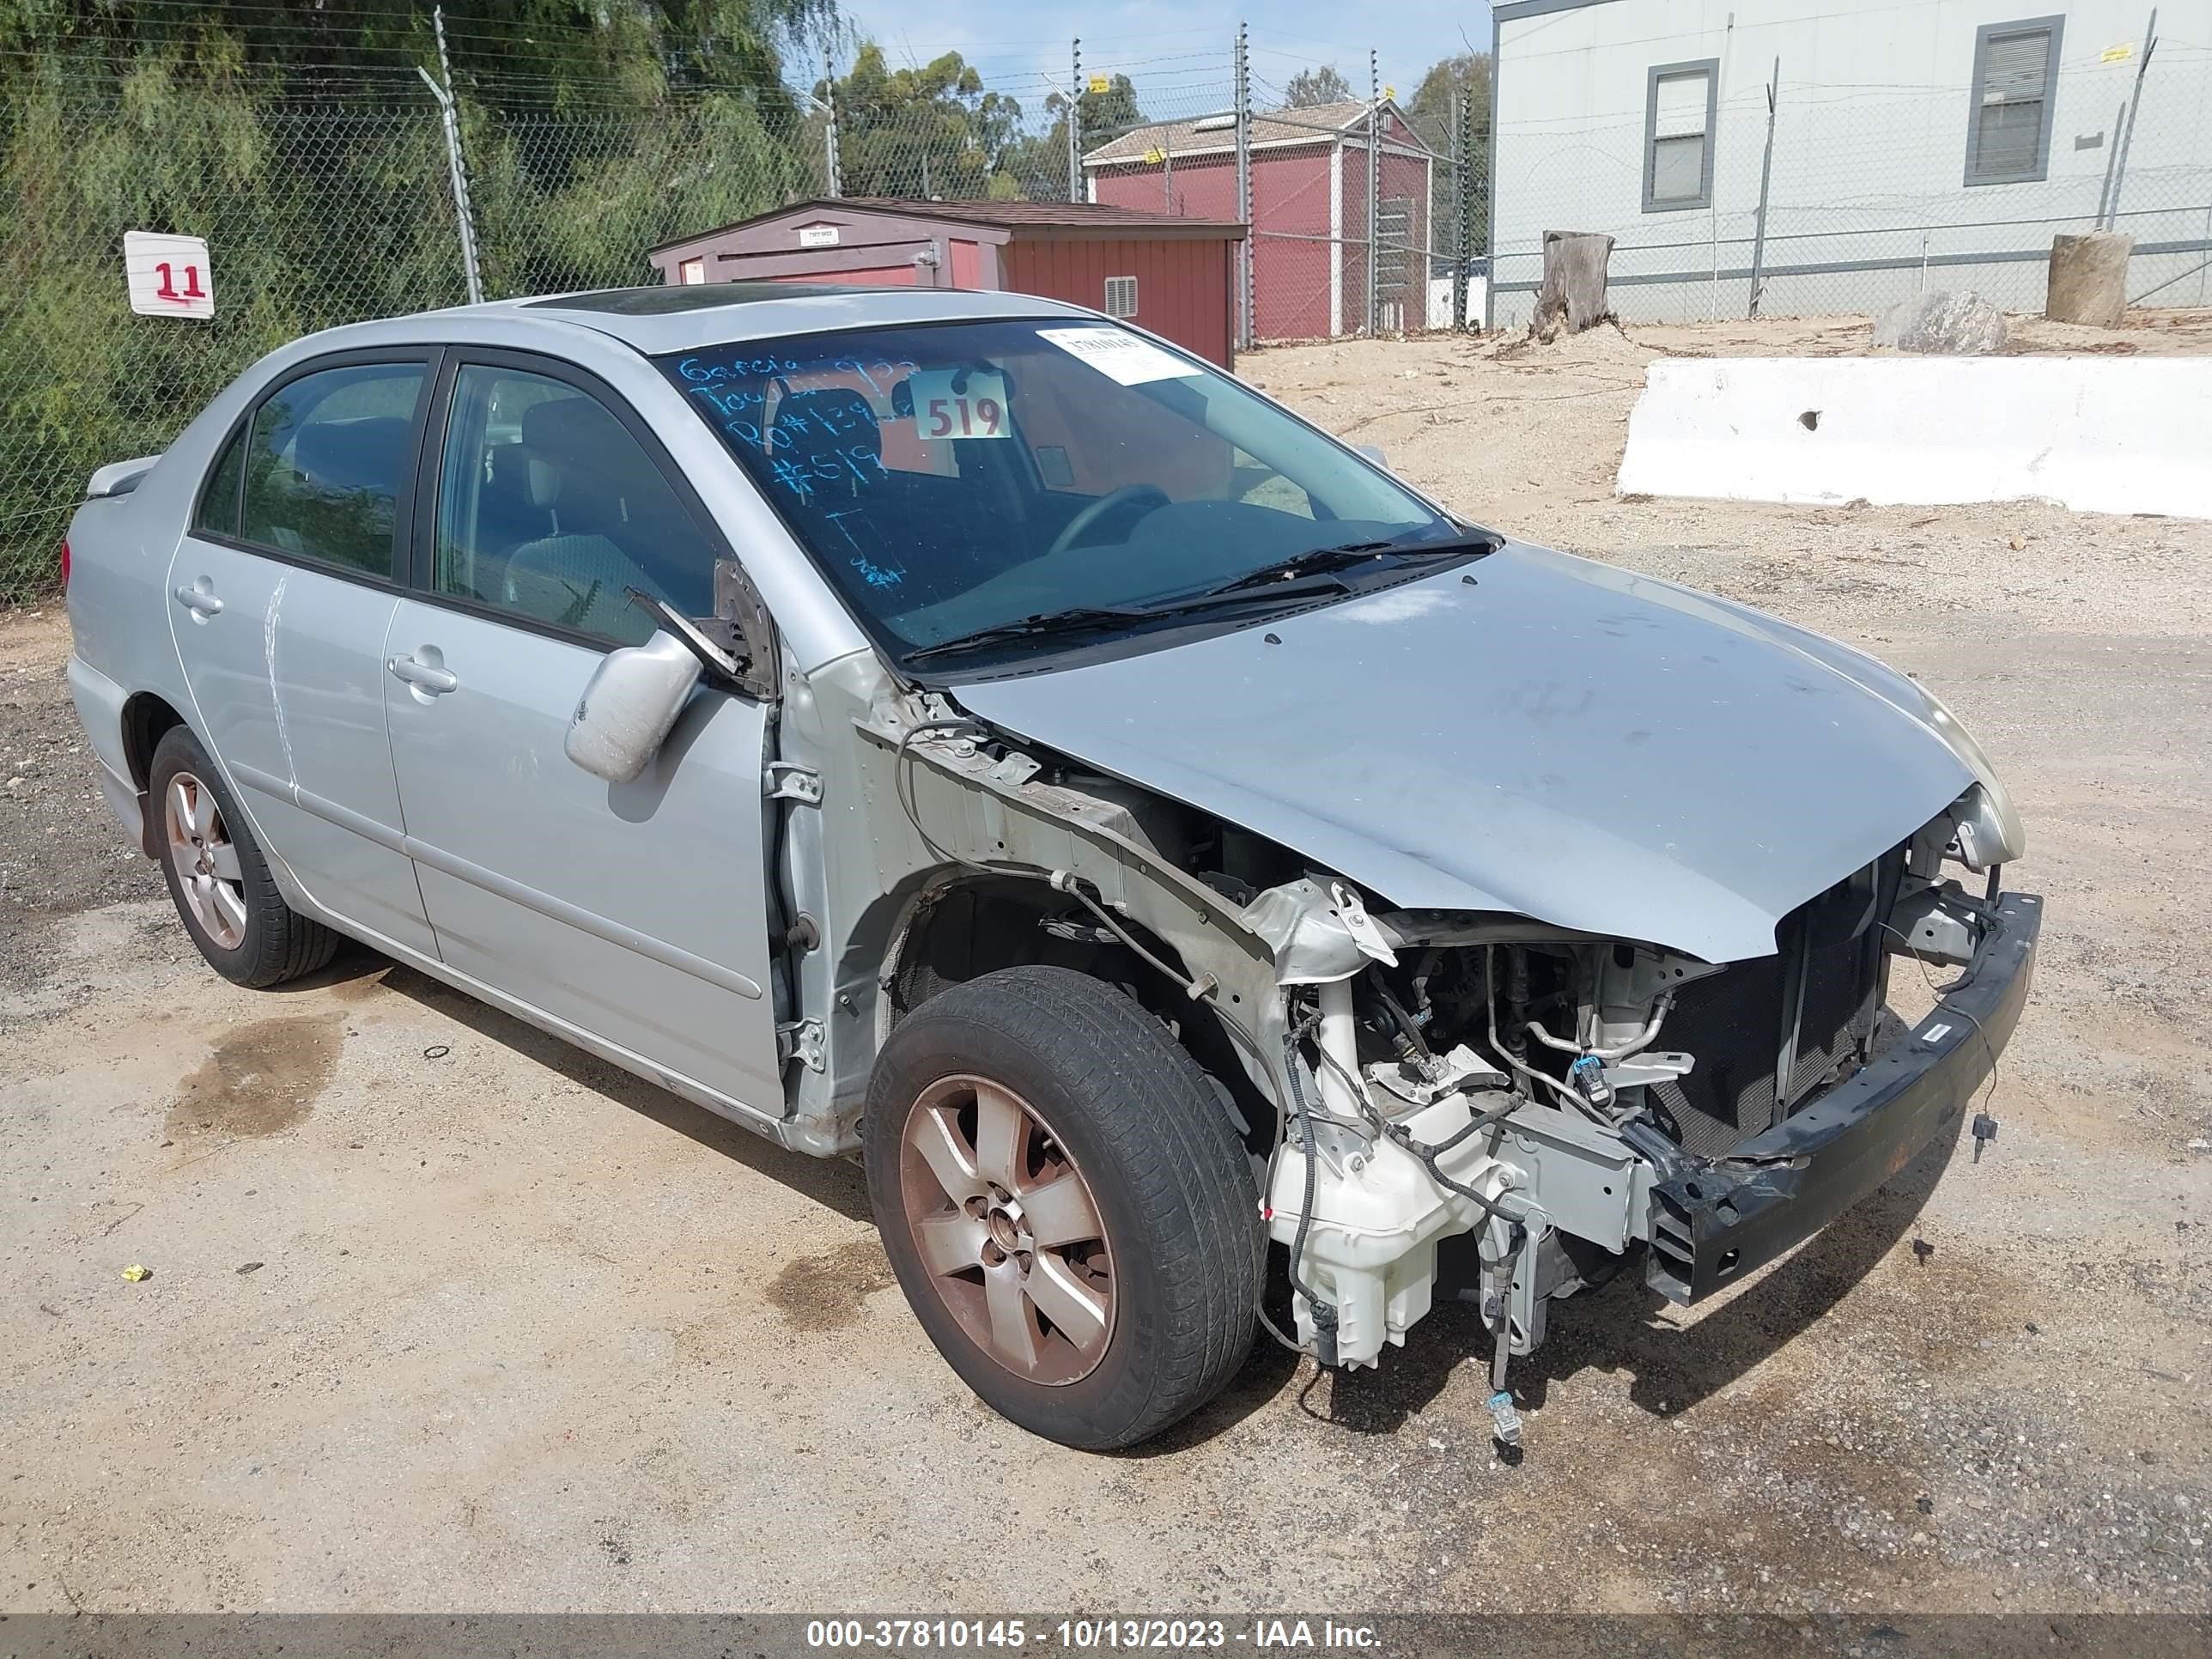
<point>1714,1223</point>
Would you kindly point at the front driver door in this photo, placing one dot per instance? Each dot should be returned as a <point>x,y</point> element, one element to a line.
<point>636,912</point>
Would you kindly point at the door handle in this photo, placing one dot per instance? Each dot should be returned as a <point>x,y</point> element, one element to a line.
<point>422,676</point>
<point>199,599</point>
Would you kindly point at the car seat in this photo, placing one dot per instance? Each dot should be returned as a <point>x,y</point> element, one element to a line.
<point>574,454</point>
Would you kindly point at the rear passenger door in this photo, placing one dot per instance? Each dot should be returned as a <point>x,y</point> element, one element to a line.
<point>635,913</point>
<point>279,596</point>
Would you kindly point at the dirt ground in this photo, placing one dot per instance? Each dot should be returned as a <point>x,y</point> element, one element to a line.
<point>445,1315</point>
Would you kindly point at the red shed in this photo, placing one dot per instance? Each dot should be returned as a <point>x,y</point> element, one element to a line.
<point>1308,207</point>
<point>1169,273</point>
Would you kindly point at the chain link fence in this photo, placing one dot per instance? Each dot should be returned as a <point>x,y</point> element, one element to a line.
<point>315,216</point>
<point>1301,172</point>
<point>327,212</point>
<point>83,381</point>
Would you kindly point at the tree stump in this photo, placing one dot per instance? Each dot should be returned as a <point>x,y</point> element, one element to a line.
<point>1573,293</point>
<point>2089,278</point>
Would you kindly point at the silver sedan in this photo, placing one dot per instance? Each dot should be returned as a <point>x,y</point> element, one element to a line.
<point>1215,888</point>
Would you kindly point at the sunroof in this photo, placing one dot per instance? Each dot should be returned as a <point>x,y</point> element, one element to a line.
<point>668,301</point>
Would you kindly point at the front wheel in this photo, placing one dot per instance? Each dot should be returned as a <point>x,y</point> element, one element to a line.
<point>1067,1207</point>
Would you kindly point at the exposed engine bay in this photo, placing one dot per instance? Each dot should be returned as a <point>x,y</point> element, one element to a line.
<point>1528,1091</point>
<point>1473,1104</point>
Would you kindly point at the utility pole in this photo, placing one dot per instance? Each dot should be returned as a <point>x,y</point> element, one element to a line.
<point>829,132</point>
<point>1244,189</point>
<point>1075,119</point>
<point>464,215</point>
<point>1374,181</point>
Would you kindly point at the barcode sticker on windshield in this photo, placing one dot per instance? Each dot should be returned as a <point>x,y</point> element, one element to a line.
<point>1119,356</point>
<point>959,403</point>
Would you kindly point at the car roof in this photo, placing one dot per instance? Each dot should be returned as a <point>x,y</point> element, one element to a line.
<point>655,320</point>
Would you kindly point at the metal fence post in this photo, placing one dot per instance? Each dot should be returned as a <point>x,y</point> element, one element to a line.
<point>1374,181</point>
<point>464,215</point>
<point>1075,119</point>
<point>2135,109</point>
<point>1244,326</point>
<point>829,132</point>
<point>1765,177</point>
<point>2111,155</point>
<point>1462,165</point>
<point>1490,194</point>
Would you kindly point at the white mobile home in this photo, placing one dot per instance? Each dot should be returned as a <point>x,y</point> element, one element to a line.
<point>1914,144</point>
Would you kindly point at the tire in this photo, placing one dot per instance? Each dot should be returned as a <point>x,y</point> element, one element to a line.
<point>218,879</point>
<point>1107,1097</point>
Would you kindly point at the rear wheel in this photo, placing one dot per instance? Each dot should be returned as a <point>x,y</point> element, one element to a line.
<point>1066,1205</point>
<point>221,884</point>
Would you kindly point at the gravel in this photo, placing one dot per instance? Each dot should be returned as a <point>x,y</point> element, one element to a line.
<point>59,851</point>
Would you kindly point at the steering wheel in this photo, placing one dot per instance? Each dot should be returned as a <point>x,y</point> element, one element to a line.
<point>1128,494</point>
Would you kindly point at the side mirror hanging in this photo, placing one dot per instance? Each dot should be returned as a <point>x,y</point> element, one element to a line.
<point>629,705</point>
<point>635,695</point>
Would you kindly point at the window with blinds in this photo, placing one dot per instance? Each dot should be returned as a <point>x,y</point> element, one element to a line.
<point>2009,132</point>
<point>1678,126</point>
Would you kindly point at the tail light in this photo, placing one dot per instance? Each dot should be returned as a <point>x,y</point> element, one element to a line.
<point>66,564</point>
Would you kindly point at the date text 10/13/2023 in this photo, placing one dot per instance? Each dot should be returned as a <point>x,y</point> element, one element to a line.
<point>983,1635</point>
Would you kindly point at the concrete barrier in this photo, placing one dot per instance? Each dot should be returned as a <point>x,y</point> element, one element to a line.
<point>2098,434</point>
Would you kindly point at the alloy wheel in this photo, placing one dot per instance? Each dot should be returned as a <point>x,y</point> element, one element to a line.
<point>205,861</point>
<point>1008,1229</point>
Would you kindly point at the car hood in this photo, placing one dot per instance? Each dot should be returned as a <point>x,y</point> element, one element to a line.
<point>1532,733</point>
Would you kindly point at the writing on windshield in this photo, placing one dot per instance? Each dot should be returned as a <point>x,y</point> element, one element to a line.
<point>952,479</point>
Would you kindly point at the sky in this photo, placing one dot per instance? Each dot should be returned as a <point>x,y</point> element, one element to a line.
<point>1177,52</point>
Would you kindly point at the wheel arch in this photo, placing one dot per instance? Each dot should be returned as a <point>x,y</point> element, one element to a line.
<point>971,925</point>
<point>148,717</point>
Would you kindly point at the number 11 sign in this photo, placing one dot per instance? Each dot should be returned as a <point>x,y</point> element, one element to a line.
<point>168,276</point>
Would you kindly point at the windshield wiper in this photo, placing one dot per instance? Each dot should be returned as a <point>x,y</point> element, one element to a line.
<point>1291,579</point>
<point>1323,560</point>
<point>1085,618</point>
<point>1076,619</point>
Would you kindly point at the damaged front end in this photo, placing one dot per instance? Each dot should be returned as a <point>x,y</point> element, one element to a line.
<point>1478,1104</point>
<point>1513,1112</point>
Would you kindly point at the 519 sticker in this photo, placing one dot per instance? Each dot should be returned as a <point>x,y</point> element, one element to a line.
<point>959,403</point>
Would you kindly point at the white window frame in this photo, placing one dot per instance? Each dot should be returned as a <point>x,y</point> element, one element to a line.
<point>2055,27</point>
<point>1114,284</point>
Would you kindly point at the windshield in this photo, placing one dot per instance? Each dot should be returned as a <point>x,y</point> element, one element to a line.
<point>959,479</point>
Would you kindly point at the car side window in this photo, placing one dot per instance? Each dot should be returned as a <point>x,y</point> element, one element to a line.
<point>218,509</point>
<point>549,509</point>
<point>324,460</point>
